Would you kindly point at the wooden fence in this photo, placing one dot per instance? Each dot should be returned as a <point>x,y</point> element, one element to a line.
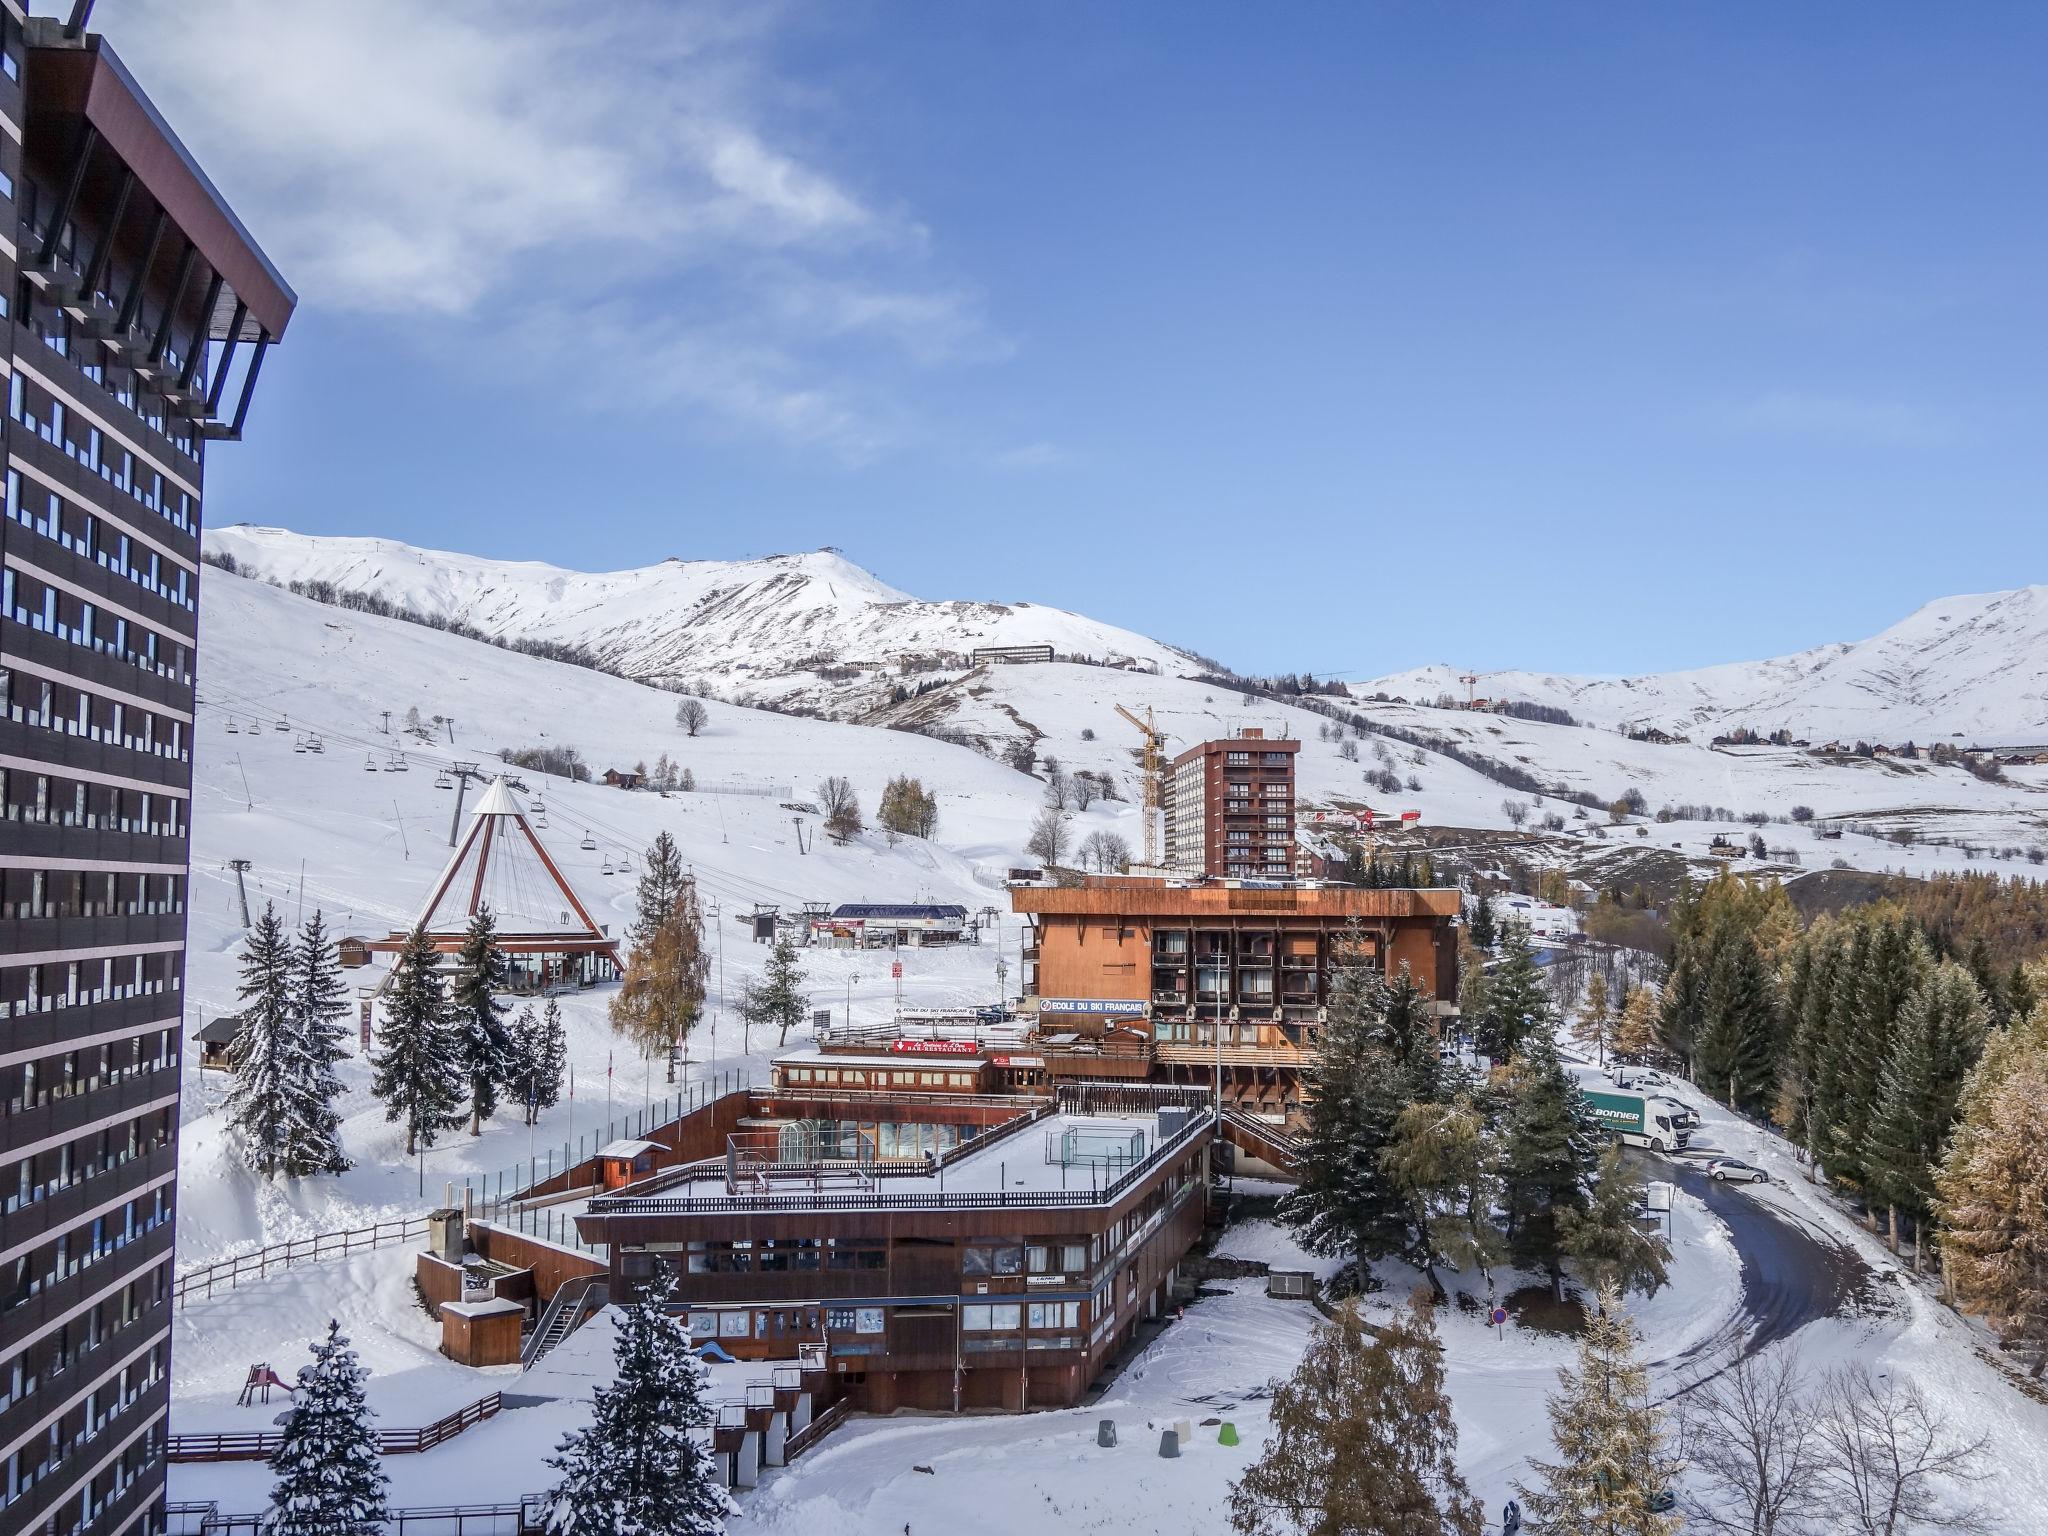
<point>226,1274</point>
<point>256,1445</point>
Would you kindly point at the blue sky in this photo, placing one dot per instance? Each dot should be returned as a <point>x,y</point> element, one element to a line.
<point>1339,337</point>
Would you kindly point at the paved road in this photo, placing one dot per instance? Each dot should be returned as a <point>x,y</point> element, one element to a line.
<point>1792,1274</point>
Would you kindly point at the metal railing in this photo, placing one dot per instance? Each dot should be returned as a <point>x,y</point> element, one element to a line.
<point>227,1274</point>
<point>256,1445</point>
<point>193,1517</point>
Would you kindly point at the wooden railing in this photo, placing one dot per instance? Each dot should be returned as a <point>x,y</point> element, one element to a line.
<point>226,1274</point>
<point>256,1445</point>
<point>827,1420</point>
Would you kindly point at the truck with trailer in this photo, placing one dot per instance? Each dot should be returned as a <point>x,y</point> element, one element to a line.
<point>1637,1119</point>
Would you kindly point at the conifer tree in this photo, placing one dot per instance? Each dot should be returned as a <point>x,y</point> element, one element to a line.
<point>330,1479</point>
<point>1606,1241</point>
<point>779,1001</point>
<point>1613,1455</point>
<point>1934,1045</point>
<point>417,1072</point>
<point>1516,1000</point>
<point>639,1468</point>
<point>319,1004</point>
<point>1682,1010</point>
<point>661,885</point>
<point>1635,1029</point>
<point>1548,1153</point>
<point>1593,1027</point>
<point>661,995</point>
<point>1440,1160</point>
<point>269,1053</point>
<point>1735,1054</point>
<point>554,1056</point>
<point>1344,1204</point>
<point>1363,1439</point>
<point>537,1060</point>
<point>483,1046</point>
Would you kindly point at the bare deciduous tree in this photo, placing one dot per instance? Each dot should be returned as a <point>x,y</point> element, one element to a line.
<point>1516,812</point>
<point>691,715</point>
<point>1751,1444</point>
<point>1888,1465</point>
<point>1049,836</point>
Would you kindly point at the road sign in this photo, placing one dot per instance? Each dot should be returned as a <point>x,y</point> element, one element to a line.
<point>895,970</point>
<point>1499,1316</point>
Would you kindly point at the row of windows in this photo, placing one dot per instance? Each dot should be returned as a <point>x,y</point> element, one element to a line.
<point>784,1255</point>
<point>100,1239</point>
<point>47,610</point>
<point>34,1464</point>
<point>54,328</point>
<point>55,1169</point>
<point>70,709</point>
<point>875,1077</point>
<point>81,983</point>
<point>28,1085</point>
<point>92,538</point>
<point>41,799</point>
<point>1025,1258</point>
<point>89,893</point>
<point>50,1359</point>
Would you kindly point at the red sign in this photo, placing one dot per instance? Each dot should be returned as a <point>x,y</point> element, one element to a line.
<point>895,970</point>
<point>936,1047</point>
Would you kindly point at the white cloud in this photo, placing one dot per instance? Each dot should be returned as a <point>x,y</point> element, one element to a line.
<point>519,168</point>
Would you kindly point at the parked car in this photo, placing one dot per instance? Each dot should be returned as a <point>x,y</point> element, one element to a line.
<point>1733,1170</point>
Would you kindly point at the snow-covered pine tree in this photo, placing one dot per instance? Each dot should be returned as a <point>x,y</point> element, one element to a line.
<point>1549,1150</point>
<point>538,1055</point>
<point>483,1046</point>
<point>1363,1439</point>
<point>554,1059</point>
<point>268,1054</point>
<point>330,1479</point>
<point>416,1072</point>
<point>1613,1457</point>
<point>639,1468</point>
<point>319,1003</point>
<point>1736,1055</point>
<point>779,1002</point>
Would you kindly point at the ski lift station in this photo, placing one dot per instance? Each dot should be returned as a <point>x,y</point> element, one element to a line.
<point>544,927</point>
<point>878,925</point>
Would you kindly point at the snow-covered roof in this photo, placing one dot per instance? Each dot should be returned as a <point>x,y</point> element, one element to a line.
<point>501,863</point>
<point>625,1146</point>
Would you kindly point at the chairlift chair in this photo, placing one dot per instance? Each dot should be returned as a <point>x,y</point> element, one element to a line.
<point>234,729</point>
<point>313,744</point>
<point>607,865</point>
<point>395,763</point>
<point>442,781</point>
<point>299,745</point>
<point>537,808</point>
<point>369,764</point>
<point>540,823</point>
<point>255,729</point>
<point>589,843</point>
<point>283,724</point>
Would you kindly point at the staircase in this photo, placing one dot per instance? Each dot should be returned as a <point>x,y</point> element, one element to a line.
<point>578,1299</point>
<point>1268,1143</point>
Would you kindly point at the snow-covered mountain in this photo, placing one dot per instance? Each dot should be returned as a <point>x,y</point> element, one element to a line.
<point>754,629</point>
<point>1972,666</point>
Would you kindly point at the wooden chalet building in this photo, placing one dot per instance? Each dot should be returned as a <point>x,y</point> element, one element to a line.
<point>1141,979</point>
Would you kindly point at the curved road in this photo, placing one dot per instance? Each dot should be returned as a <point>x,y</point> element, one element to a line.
<point>1792,1274</point>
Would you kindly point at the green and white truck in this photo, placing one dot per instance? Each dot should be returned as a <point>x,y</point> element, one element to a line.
<point>1639,1119</point>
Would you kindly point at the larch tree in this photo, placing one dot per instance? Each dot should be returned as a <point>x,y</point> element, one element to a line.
<point>416,1071</point>
<point>1594,1024</point>
<point>1549,1149</point>
<point>661,884</point>
<point>1441,1161</point>
<point>483,1045</point>
<point>271,1063</point>
<point>1606,1241</point>
<point>1614,1457</point>
<point>1635,1027</point>
<point>330,1477</point>
<point>641,1466</point>
<point>1363,1440</point>
<point>661,995</point>
<point>1994,1201</point>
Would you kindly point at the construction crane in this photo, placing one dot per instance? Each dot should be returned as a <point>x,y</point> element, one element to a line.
<point>1154,764</point>
<point>1469,679</point>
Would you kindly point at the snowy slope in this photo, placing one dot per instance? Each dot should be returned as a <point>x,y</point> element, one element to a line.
<point>752,628</point>
<point>1971,666</point>
<point>324,831</point>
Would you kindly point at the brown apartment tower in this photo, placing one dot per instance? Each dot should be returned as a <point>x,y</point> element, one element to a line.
<point>1230,809</point>
<point>137,312</point>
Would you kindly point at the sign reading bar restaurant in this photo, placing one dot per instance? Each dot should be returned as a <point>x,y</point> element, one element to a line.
<point>935,1047</point>
<point>1114,1007</point>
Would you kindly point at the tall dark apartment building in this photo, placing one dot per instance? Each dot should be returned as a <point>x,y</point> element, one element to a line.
<point>1229,809</point>
<point>136,312</point>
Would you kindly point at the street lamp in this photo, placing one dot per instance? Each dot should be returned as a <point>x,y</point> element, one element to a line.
<point>1002,975</point>
<point>851,978</point>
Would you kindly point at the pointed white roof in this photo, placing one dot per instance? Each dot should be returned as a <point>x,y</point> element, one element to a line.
<point>500,862</point>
